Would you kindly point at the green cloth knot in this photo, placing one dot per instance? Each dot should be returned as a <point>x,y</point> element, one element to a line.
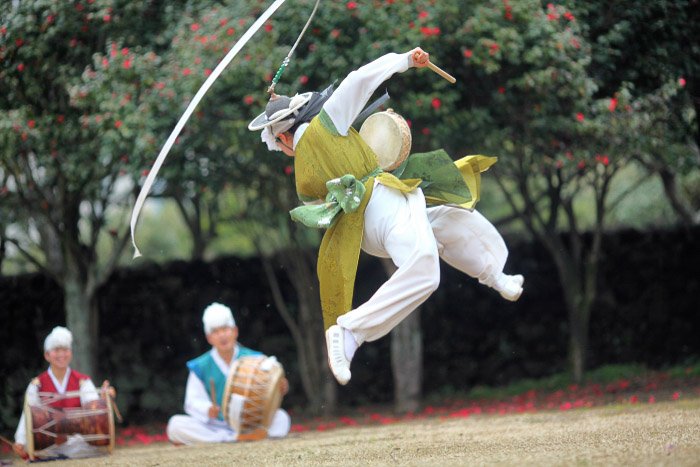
<point>344,195</point>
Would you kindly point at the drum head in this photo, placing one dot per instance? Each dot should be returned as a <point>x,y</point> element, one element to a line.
<point>388,135</point>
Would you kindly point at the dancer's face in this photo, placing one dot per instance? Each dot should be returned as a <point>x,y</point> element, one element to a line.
<point>59,358</point>
<point>223,339</point>
<point>285,141</point>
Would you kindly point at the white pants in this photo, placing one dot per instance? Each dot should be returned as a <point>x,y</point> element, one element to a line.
<point>398,226</point>
<point>185,429</point>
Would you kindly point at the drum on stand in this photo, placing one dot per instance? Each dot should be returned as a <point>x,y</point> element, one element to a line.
<point>253,384</point>
<point>389,136</point>
<point>49,426</point>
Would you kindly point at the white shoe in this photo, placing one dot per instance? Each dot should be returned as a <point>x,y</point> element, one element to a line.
<point>510,287</point>
<point>340,365</point>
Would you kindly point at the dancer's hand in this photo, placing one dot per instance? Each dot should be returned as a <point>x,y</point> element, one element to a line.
<point>214,411</point>
<point>19,450</point>
<point>420,57</point>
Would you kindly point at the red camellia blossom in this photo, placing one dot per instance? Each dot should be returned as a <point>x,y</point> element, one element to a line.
<point>230,32</point>
<point>612,105</point>
<point>493,48</point>
<point>31,123</point>
<point>186,72</point>
<point>351,5</point>
<point>580,117</point>
<point>19,42</point>
<point>248,99</point>
<point>568,15</point>
<point>468,53</point>
<point>60,119</point>
<point>20,67</point>
<point>501,90</point>
<point>126,64</point>
<point>428,32</point>
<point>335,33</point>
<point>268,27</point>
<point>107,18</point>
<point>118,124</point>
<point>194,27</point>
<point>423,14</point>
<point>681,82</point>
<point>105,62</point>
<point>303,79</point>
<point>436,103</point>
<point>125,51</point>
<point>425,131</point>
<point>581,165</point>
<point>207,71</point>
<point>73,42</point>
<point>288,170</point>
<point>145,172</point>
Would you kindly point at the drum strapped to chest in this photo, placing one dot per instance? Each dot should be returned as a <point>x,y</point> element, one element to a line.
<point>49,426</point>
<point>252,396</point>
<point>389,136</point>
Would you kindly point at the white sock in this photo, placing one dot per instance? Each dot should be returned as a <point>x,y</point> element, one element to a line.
<point>350,344</point>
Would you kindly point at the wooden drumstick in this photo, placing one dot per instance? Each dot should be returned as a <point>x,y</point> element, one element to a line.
<point>212,390</point>
<point>116,410</point>
<point>441,72</point>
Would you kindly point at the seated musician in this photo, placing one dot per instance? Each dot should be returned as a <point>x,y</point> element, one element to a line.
<point>60,378</point>
<point>204,422</point>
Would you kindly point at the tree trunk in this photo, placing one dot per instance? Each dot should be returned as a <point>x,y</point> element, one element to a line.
<point>406,357</point>
<point>306,329</point>
<point>82,320</point>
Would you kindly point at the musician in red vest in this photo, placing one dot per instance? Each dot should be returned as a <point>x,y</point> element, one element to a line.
<point>60,378</point>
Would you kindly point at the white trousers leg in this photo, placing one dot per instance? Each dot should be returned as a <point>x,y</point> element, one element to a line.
<point>396,226</point>
<point>467,241</point>
<point>184,429</point>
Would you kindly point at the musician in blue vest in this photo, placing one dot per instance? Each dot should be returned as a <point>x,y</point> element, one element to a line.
<point>204,422</point>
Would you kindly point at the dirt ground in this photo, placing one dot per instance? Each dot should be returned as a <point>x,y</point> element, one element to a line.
<point>654,434</point>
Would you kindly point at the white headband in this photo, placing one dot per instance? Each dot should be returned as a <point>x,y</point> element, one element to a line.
<point>217,315</point>
<point>59,337</point>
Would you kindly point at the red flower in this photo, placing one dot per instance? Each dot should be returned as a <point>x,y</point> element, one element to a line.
<point>107,18</point>
<point>468,53</point>
<point>612,105</point>
<point>652,399</point>
<point>427,32</point>
<point>186,72</point>
<point>60,118</point>
<point>335,33</point>
<point>425,131</point>
<point>207,71</point>
<point>73,42</point>
<point>351,5</point>
<point>20,67</point>
<point>288,170</point>
<point>194,27</point>
<point>581,164</point>
<point>493,48</point>
<point>501,90</point>
<point>580,117</point>
<point>436,103</point>
<point>127,64</point>
<point>145,172</point>
<point>676,395</point>
<point>105,62</point>
<point>268,27</point>
<point>230,31</point>
<point>248,99</point>
<point>3,30</point>
<point>681,82</point>
<point>634,399</point>
<point>552,16</point>
<point>223,22</point>
<point>569,16</point>
<point>125,51</point>
<point>31,123</point>
<point>303,79</point>
<point>423,14</point>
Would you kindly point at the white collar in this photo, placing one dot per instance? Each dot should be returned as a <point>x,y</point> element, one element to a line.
<point>221,363</point>
<point>60,387</point>
<point>299,133</point>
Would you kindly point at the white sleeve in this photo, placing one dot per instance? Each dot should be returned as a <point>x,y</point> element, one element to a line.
<point>197,401</point>
<point>88,392</point>
<point>349,99</point>
<point>32,395</point>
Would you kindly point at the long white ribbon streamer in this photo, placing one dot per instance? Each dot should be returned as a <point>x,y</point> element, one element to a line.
<point>188,112</point>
